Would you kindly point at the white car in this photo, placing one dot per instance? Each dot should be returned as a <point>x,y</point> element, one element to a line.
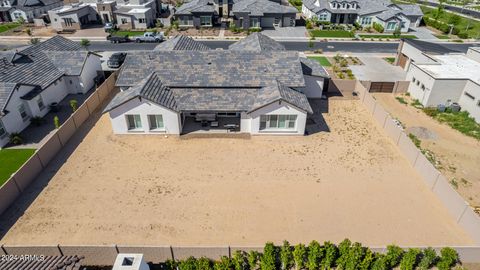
<point>149,37</point>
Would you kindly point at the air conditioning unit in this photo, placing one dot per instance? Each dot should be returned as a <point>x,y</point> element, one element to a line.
<point>130,262</point>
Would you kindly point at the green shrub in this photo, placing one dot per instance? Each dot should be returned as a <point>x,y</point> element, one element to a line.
<point>394,255</point>
<point>204,264</point>
<point>56,122</point>
<point>448,258</point>
<point>315,254</point>
<point>286,256</point>
<point>188,264</point>
<point>343,250</point>
<point>309,24</point>
<point>380,262</point>
<point>239,260</point>
<point>253,259</point>
<point>367,261</point>
<point>401,100</point>
<point>355,256</point>
<point>224,264</point>
<point>410,259</point>
<point>269,258</point>
<point>299,256</point>
<point>330,255</point>
<point>415,140</point>
<point>378,27</point>
<point>74,104</point>
<point>428,258</point>
<point>454,18</point>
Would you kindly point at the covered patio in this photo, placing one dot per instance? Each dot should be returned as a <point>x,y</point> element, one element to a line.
<point>211,122</point>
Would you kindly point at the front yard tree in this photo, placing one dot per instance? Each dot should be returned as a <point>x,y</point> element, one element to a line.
<point>299,256</point>
<point>286,256</point>
<point>315,254</point>
<point>269,258</point>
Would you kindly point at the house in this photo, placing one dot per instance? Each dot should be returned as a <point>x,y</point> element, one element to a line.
<point>244,13</point>
<point>26,9</point>
<point>251,88</point>
<point>75,16</point>
<point>364,12</point>
<point>414,50</point>
<point>448,78</point>
<point>45,73</point>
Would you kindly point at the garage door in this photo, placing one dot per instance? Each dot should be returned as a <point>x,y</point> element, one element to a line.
<point>384,87</point>
<point>267,22</point>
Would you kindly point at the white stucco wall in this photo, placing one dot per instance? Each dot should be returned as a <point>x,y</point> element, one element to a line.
<point>313,86</point>
<point>415,89</point>
<point>276,108</point>
<point>415,55</point>
<point>89,72</point>
<point>467,103</point>
<point>474,54</point>
<point>171,119</point>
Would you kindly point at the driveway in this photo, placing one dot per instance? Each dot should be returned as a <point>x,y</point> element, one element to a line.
<point>423,33</point>
<point>376,69</point>
<point>286,32</point>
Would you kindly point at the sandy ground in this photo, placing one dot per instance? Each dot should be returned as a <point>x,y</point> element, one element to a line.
<point>151,190</point>
<point>459,155</point>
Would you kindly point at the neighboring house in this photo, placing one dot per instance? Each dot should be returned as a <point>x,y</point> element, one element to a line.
<point>30,9</point>
<point>245,13</point>
<point>445,79</point>
<point>414,50</point>
<point>261,88</point>
<point>134,14</point>
<point>74,16</point>
<point>364,12</point>
<point>34,78</point>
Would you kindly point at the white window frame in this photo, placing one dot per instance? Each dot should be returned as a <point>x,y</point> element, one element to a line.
<point>366,21</point>
<point>185,21</point>
<point>202,23</point>
<point>154,123</point>
<point>322,17</point>
<point>142,20</point>
<point>40,103</point>
<point>136,120</point>
<point>3,131</point>
<point>394,25</point>
<point>256,24</point>
<point>272,122</point>
<point>22,110</point>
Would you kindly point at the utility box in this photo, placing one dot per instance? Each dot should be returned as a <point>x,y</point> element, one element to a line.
<point>130,262</point>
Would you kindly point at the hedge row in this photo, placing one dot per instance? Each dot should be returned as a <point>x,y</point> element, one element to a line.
<point>345,256</point>
<point>444,27</point>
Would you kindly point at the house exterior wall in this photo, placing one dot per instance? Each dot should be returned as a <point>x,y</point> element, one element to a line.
<point>128,21</point>
<point>470,100</point>
<point>29,15</point>
<point>89,72</point>
<point>143,107</point>
<point>474,54</point>
<point>278,108</point>
<point>417,77</point>
<point>314,86</point>
<point>414,56</point>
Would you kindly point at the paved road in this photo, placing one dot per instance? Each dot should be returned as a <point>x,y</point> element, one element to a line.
<point>351,46</point>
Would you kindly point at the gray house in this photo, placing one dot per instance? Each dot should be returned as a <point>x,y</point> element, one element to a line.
<point>245,13</point>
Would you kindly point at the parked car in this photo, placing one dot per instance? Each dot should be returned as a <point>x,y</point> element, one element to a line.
<point>149,37</point>
<point>116,60</point>
<point>109,27</point>
<point>118,39</point>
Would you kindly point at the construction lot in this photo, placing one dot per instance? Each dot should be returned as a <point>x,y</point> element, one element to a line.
<point>348,180</point>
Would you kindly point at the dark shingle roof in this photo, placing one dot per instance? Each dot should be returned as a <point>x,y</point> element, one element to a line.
<point>277,92</point>
<point>180,43</point>
<point>411,10</point>
<point>257,42</point>
<point>260,7</point>
<point>214,68</point>
<point>429,47</point>
<point>196,6</point>
<point>49,262</point>
<point>313,68</point>
<point>6,90</point>
<point>69,62</point>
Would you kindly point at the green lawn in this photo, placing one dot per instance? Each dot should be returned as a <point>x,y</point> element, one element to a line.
<point>11,160</point>
<point>389,59</point>
<point>8,26</point>
<point>128,33</point>
<point>462,24</point>
<point>322,60</point>
<point>386,36</point>
<point>331,33</point>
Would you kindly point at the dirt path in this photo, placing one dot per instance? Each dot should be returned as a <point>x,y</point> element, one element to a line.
<point>151,190</point>
<point>459,155</point>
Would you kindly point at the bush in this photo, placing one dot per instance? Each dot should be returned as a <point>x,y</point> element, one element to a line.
<point>269,258</point>
<point>56,122</point>
<point>16,138</point>
<point>394,255</point>
<point>309,24</point>
<point>428,259</point>
<point>448,258</point>
<point>463,35</point>
<point>410,259</point>
<point>343,249</point>
<point>415,140</point>
<point>378,27</point>
<point>367,261</point>
<point>330,255</point>
<point>224,264</point>
<point>239,260</point>
<point>299,256</point>
<point>286,256</point>
<point>188,264</point>
<point>253,258</point>
<point>204,264</point>
<point>74,104</point>
<point>315,254</point>
<point>454,19</point>
<point>355,257</point>
<point>34,41</point>
<point>380,262</point>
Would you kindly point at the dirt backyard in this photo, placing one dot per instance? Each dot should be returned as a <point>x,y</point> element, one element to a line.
<point>349,182</point>
<point>457,155</point>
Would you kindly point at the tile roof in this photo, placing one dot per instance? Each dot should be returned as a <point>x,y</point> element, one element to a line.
<point>429,47</point>
<point>257,42</point>
<point>181,43</point>
<point>313,68</point>
<point>6,90</point>
<point>69,62</point>
<point>278,92</point>
<point>8,55</point>
<point>214,68</point>
<point>411,10</point>
<point>49,263</point>
<point>260,7</point>
<point>196,6</point>
<point>389,14</point>
<point>365,7</point>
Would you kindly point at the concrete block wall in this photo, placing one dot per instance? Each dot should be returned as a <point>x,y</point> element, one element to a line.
<point>94,255</point>
<point>214,253</point>
<point>9,192</point>
<point>150,253</point>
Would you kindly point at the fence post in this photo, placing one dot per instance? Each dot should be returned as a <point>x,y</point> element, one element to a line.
<point>171,253</point>
<point>60,250</point>
<point>16,184</point>
<point>4,250</point>
<point>116,248</point>
<point>40,160</point>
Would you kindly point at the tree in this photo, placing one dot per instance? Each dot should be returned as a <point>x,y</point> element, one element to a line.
<point>410,259</point>
<point>454,19</point>
<point>85,43</point>
<point>368,260</point>
<point>269,258</point>
<point>343,249</point>
<point>330,255</point>
<point>224,264</point>
<point>448,258</point>
<point>429,258</point>
<point>204,264</point>
<point>315,254</point>
<point>253,258</point>
<point>188,264</point>
<point>299,256</point>
<point>355,256</point>
<point>29,31</point>
<point>394,255</point>
<point>239,260</point>
<point>286,256</point>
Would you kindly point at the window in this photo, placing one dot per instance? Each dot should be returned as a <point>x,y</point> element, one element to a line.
<point>23,112</point>
<point>40,103</point>
<point>103,7</point>
<point>254,22</point>
<point>205,20</point>
<point>423,87</point>
<point>134,122</point>
<point>418,83</point>
<point>277,121</point>
<point>141,20</point>
<point>322,16</point>
<point>185,20</point>
<point>413,79</point>
<point>391,25</point>
<point>156,122</point>
<point>470,96</point>
<point>124,20</point>
<point>366,21</point>
<point>478,104</point>
<point>68,21</point>
<point>3,132</point>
